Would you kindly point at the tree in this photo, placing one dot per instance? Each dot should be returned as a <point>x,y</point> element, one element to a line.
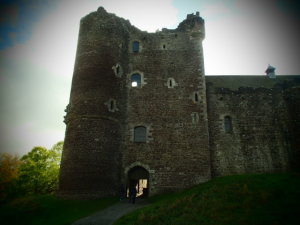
<point>39,170</point>
<point>9,172</point>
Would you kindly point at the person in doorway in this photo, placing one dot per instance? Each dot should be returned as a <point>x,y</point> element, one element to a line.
<point>132,194</point>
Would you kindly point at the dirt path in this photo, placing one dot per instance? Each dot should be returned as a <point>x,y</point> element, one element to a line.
<point>109,215</point>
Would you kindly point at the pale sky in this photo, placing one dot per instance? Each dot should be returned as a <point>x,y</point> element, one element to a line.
<point>38,40</point>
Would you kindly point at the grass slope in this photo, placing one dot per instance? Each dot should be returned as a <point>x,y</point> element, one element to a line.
<point>49,210</point>
<point>266,199</point>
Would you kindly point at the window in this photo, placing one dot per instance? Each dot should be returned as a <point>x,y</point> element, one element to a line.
<point>227,124</point>
<point>196,97</point>
<point>136,80</point>
<point>195,117</point>
<point>136,46</point>
<point>140,134</point>
<point>118,70</point>
<point>111,105</point>
<point>171,83</point>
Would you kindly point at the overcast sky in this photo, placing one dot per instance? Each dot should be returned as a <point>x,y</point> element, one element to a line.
<point>38,41</point>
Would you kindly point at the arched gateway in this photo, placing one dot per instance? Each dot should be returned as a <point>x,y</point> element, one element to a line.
<point>138,177</point>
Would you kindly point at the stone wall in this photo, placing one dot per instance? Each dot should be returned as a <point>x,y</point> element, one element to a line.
<point>261,136</point>
<point>91,158</point>
<point>104,108</point>
<point>176,150</point>
<point>181,112</point>
<point>292,98</point>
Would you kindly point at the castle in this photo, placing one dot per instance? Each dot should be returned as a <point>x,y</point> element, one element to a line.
<point>143,113</point>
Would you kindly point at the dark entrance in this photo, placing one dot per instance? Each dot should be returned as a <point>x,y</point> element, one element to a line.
<point>138,177</point>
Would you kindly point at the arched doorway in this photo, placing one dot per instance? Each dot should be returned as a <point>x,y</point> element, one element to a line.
<point>138,177</point>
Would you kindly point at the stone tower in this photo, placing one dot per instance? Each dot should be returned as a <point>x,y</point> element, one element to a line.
<point>137,113</point>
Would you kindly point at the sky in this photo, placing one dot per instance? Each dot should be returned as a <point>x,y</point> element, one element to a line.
<point>38,40</point>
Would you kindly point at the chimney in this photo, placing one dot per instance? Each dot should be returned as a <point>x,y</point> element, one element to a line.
<point>271,72</point>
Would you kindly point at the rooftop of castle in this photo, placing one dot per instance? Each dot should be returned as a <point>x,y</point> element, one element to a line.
<point>234,82</point>
<point>190,21</point>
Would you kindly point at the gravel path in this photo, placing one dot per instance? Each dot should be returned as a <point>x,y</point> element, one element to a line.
<point>109,215</point>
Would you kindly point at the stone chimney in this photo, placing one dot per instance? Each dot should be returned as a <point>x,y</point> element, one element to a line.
<point>270,71</point>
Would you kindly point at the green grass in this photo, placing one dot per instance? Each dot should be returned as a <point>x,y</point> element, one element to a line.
<point>266,199</point>
<point>49,210</point>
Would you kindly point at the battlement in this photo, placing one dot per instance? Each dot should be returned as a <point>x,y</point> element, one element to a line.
<point>193,23</point>
<point>192,15</point>
<point>142,113</point>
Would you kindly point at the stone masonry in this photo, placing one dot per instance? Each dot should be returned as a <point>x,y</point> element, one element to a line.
<point>141,108</point>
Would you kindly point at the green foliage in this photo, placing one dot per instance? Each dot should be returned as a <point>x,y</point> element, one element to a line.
<point>9,173</point>
<point>269,199</point>
<point>40,169</point>
<point>35,173</point>
<point>49,210</point>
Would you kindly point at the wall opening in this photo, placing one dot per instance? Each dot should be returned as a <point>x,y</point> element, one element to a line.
<point>227,124</point>
<point>136,80</point>
<point>138,178</point>
<point>195,117</point>
<point>136,46</point>
<point>196,97</point>
<point>118,70</point>
<point>171,83</point>
<point>140,134</point>
<point>111,105</point>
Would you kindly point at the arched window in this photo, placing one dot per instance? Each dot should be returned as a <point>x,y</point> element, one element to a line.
<point>136,46</point>
<point>136,80</point>
<point>140,134</point>
<point>227,124</point>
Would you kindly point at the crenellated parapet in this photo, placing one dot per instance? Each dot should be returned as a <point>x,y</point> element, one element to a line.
<point>132,91</point>
<point>194,24</point>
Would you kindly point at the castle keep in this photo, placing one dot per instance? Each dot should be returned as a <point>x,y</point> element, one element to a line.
<point>143,113</point>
